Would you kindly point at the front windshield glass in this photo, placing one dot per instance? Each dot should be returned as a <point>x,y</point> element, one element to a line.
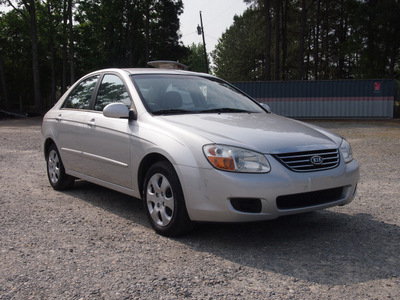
<point>175,94</point>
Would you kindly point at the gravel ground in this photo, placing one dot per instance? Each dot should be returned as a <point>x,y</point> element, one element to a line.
<point>94,243</point>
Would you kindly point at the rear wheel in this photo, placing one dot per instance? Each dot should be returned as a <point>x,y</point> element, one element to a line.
<point>164,202</point>
<point>58,179</point>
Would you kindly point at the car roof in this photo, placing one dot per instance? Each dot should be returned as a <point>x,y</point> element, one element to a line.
<point>136,71</point>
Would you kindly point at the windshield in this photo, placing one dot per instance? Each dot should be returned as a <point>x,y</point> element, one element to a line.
<point>179,94</point>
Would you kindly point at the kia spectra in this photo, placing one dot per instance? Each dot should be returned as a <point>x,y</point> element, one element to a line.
<point>193,148</point>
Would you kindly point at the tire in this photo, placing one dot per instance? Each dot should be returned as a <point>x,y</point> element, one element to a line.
<point>58,179</point>
<point>164,201</point>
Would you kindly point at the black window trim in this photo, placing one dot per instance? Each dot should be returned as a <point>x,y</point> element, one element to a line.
<point>72,88</point>
<point>96,90</point>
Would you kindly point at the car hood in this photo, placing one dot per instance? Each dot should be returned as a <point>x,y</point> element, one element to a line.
<point>265,133</point>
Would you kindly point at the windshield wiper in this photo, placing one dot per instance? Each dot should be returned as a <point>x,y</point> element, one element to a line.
<point>170,111</point>
<point>225,110</point>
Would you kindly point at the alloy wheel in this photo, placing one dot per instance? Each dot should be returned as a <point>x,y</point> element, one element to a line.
<point>160,199</point>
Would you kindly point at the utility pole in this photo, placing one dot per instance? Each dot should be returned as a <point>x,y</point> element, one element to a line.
<point>200,30</point>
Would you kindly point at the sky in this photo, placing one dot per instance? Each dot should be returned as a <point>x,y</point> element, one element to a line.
<point>217,17</point>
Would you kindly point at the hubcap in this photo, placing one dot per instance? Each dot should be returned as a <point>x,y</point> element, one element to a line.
<point>53,166</point>
<point>160,199</point>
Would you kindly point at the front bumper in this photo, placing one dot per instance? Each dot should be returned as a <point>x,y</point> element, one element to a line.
<point>211,195</point>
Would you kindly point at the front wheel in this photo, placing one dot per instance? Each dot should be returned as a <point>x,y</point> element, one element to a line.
<point>58,179</point>
<point>164,201</point>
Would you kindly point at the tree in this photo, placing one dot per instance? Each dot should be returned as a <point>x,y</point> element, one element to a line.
<point>3,82</point>
<point>69,38</point>
<point>120,36</point>
<point>50,15</point>
<point>164,31</point>
<point>239,54</point>
<point>300,69</point>
<point>2,74</point>
<point>277,39</point>
<point>195,59</point>
<point>378,30</point>
<point>16,57</point>
<point>314,39</point>
<point>27,9</point>
<point>267,15</point>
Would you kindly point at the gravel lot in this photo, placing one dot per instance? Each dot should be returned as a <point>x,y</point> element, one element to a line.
<point>94,243</point>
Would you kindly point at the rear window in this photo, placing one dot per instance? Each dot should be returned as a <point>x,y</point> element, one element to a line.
<point>81,95</point>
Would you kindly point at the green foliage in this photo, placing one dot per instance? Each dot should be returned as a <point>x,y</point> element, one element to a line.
<point>195,60</point>
<point>341,39</point>
<point>15,51</point>
<point>118,33</point>
<point>164,37</point>
<point>239,54</point>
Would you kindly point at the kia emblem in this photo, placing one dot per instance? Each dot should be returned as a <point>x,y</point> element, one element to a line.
<point>316,160</point>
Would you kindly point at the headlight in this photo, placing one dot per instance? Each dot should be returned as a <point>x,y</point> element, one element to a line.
<point>345,149</point>
<point>234,159</point>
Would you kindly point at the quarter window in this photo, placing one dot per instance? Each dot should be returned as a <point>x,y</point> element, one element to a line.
<point>112,89</point>
<point>80,97</point>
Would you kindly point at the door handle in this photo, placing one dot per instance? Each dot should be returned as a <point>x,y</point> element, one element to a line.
<point>92,122</point>
<point>58,118</point>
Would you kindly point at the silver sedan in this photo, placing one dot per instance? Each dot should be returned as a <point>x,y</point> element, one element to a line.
<point>193,148</point>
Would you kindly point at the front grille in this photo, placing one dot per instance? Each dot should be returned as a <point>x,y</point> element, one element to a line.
<point>309,199</point>
<point>303,161</point>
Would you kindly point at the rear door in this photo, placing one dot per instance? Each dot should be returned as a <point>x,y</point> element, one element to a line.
<point>71,124</point>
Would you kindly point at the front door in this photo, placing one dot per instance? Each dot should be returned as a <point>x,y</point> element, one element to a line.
<point>108,142</point>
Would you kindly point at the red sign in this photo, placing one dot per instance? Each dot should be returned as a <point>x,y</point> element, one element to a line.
<point>377,86</point>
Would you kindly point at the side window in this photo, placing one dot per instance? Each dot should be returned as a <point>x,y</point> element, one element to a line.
<point>112,89</point>
<point>80,97</point>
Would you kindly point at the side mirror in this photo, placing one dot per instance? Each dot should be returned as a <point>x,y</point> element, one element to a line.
<point>265,106</point>
<point>116,110</point>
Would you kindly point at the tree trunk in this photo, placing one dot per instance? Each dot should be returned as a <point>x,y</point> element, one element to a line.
<point>31,8</point>
<point>267,12</point>
<point>342,39</point>
<point>3,83</point>
<point>52,58</point>
<point>325,46</point>
<point>277,40</point>
<point>300,70</point>
<point>393,58</point>
<point>71,43</point>
<point>316,41</point>
<point>285,9</point>
<point>64,48</point>
<point>147,30</point>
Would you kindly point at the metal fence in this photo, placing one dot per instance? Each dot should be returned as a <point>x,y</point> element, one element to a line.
<point>326,99</point>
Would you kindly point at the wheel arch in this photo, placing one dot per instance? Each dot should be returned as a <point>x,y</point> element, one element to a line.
<point>144,166</point>
<point>48,142</point>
